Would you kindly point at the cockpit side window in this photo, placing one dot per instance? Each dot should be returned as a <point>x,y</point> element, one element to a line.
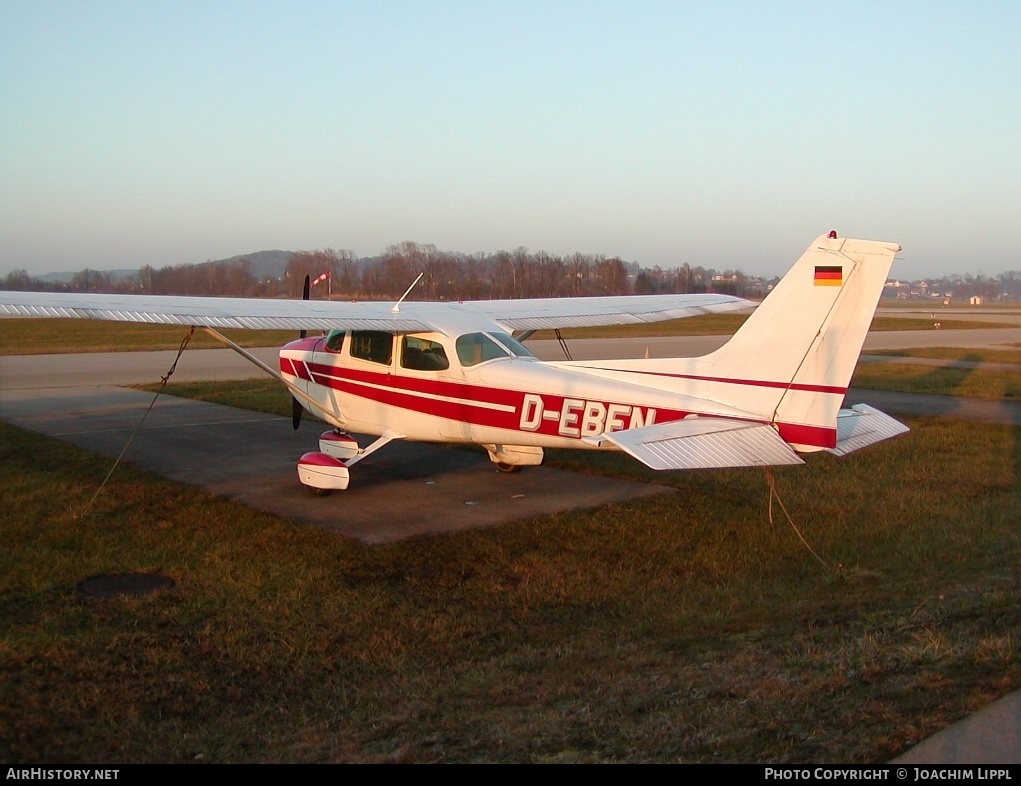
<point>475,348</point>
<point>373,345</point>
<point>335,340</point>
<point>421,354</point>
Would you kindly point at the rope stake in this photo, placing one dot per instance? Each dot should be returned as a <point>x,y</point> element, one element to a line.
<point>773,493</point>
<point>163,384</point>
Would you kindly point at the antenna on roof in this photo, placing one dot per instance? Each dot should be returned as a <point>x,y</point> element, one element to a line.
<point>397,306</point>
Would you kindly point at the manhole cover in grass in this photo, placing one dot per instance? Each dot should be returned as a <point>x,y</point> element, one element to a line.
<point>110,584</point>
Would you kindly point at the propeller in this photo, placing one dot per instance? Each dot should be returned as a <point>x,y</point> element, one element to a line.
<point>305,290</point>
<point>296,408</point>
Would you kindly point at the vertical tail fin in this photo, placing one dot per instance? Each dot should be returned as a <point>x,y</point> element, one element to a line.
<point>797,351</point>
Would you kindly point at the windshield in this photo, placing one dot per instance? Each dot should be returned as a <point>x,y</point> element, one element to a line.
<point>475,348</point>
<point>515,347</point>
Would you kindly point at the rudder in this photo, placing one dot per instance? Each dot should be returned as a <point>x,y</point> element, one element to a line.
<point>795,354</point>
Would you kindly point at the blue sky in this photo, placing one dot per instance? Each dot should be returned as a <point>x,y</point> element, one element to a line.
<point>724,134</point>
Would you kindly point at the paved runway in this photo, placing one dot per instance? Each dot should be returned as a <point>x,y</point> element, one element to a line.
<point>139,368</point>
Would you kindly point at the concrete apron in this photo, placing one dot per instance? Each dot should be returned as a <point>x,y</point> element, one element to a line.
<point>405,489</point>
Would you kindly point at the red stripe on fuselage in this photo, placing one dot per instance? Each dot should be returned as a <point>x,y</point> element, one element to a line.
<point>476,403</point>
<point>758,383</point>
<point>426,396</point>
<point>429,387</point>
<point>287,367</point>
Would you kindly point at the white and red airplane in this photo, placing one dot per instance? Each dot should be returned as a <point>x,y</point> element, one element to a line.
<point>453,372</point>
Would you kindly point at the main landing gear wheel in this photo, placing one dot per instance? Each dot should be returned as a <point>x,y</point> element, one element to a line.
<point>511,458</point>
<point>319,492</point>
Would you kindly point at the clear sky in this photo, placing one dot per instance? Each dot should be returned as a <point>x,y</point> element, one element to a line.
<point>725,134</point>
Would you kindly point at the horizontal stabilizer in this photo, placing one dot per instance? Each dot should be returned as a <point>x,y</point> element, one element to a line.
<point>705,443</point>
<point>863,425</point>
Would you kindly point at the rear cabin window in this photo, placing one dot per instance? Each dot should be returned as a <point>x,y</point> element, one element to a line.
<point>420,354</point>
<point>372,345</point>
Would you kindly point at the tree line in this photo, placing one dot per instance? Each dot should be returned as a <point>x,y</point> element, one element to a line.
<point>450,275</point>
<point>446,275</point>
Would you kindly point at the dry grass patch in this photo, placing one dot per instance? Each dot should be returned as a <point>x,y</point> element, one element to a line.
<point>990,384</point>
<point>678,628</point>
<point>956,353</point>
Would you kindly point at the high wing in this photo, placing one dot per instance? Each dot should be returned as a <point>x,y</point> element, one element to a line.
<point>414,317</point>
<point>215,312</point>
<point>551,313</point>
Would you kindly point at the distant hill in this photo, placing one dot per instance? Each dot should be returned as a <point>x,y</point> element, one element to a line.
<point>265,264</point>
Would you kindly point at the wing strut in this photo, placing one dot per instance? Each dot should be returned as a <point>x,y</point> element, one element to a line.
<point>563,344</point>
<point>296,408</point>
<point>386,437</point>
<point>293,389</point>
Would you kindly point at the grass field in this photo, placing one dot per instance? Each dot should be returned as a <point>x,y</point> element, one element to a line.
<point>993,308</point>
<point>53,336</point>
<point>681,628</point>
<point>725,324</point>
<point>956,353</point>
<point>991,384</point>
<point>684,628</point>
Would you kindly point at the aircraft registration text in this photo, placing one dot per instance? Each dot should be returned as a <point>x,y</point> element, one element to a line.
<point>577,417</point>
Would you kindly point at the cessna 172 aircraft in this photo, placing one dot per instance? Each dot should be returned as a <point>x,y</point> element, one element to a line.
<point>452,372</point>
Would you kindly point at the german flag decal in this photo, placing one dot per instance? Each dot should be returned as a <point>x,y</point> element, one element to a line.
<point>829,275</point>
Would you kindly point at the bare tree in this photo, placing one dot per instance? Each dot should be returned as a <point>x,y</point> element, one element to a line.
<point>612,276</point>
<point>91,281</point>
<point>18,279</point>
